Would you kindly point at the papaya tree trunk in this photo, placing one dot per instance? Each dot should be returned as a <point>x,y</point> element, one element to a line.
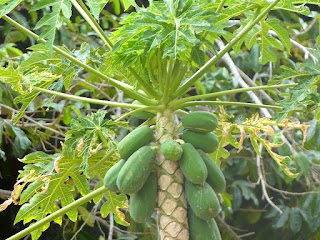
<point>172,205</point>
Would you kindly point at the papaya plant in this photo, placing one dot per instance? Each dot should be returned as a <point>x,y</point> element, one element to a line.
<point>158,58</point>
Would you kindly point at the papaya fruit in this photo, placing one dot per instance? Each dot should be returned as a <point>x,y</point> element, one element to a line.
<point>143,114</point>
<point>110,179</point>
<point>192,165</point>
<point>134,140</point>
<point>215,176</point>
<point>143,202</point>
<point>200,121</point>
<point>202,200</point>
<point>207,142</point>
<point>171,150</point>
<point>200,229</point>
<point>136,170</point>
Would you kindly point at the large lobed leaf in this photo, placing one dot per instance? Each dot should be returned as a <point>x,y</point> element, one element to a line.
<point>56,179</point>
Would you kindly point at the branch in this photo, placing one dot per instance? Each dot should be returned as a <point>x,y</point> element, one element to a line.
<point>307,54</point>
<point>91,214</point>
<point>313,22</point>
<point>5,194</point>
<point>111,226</point>
<point>227,227</point>
<point>31,120</point>
<point>263,182</point>
<point>290,193</point>
<point>251,83</point>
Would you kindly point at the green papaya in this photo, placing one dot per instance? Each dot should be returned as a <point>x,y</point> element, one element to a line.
<point>200,121</point>
<point>110,179</point>
<point>143,202</point>
<point>192,165</point>
<point>143,114</point>
<point>136,170</point>
<point>202,200</point>
<point>134,140</point>
<point>202,229</point>
<point>207,142</point>
<point>171,150</point>
<point>215,177</point>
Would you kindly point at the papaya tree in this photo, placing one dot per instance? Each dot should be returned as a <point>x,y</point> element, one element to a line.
<point>157,58</point>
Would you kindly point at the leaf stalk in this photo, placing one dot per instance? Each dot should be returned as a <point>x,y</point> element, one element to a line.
<point>228,92</point>
<point>58,213</point>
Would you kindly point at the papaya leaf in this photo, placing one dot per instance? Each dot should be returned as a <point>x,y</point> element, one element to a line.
<point>50,21</point>
<point>255,127</point>
<point>173,27</point>
<point>44,60</point>
<point>282,161</point>
<point>301,96</point>
<point>96,7</point>
<point>291,6</point>
<point>88,135</point>
<point>51,178</point>
<point>112,205</point>
<point>304,96</point>
<point>12,76</point>
<point>233,9</point>
<point>7,6</point>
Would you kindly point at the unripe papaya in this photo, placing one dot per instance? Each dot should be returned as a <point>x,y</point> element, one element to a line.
<point>201,229</point>
<point>143,202</point>
<point>215,177</point>
<point>192,165</point>
<point>200,121</point>
<point>136,170</point>
<point>202,200</point>
<point>207,142</point>
<point>171,150</point>
<point>110,179</point>
<point>142,114</point>
<point>134,140</point>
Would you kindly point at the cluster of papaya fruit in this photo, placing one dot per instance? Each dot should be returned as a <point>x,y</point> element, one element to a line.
<point>135,173</point>
<point>203,176</point>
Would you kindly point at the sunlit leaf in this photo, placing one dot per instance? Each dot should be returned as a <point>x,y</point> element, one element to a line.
<point>112,205</point>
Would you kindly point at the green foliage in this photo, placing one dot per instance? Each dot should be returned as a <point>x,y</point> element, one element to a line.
<point>52,20</point>
<point>304,95</point>
<point>7,6</point>
<point>172,27</point>
<point>53,187</point>
<point>88,135</point>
